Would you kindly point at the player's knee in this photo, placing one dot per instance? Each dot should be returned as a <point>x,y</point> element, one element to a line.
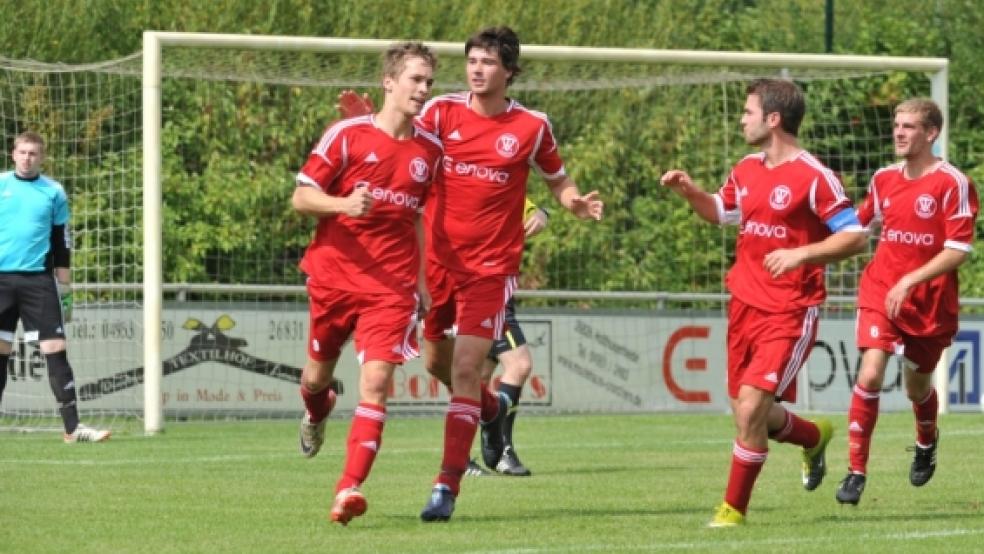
<point>60,377</point>
<point>439,369</point>
<point>316,376</point>
<point>315,385</point>
<point>916,392</point>
<point>523,369</point>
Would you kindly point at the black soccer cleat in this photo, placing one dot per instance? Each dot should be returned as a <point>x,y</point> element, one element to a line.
<point>851,488</point>
<point>923,463</point>
<point>492,441</point>
<point>476,470</point>
<point>509,464</point>
<point>440,506</point>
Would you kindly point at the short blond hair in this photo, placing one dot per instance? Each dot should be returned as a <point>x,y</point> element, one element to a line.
<point>928,110</point>
<point>395,57</point>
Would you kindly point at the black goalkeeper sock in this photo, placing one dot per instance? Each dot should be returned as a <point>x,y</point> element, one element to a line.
<point>63,386</point>
<point>513,393</point>
<point>4,360</point>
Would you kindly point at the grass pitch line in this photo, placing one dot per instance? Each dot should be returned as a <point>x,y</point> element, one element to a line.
<point>734,539</point>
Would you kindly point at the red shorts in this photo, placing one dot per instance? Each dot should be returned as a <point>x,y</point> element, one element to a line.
<point>875,330</point>
<point>384,325</point>
<point>766,350</point>
<point>466,304</point>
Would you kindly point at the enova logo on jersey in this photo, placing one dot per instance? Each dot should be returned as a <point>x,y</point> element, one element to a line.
<point>474,170</point>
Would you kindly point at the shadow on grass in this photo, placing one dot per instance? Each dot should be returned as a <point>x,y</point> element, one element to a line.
<point>853,515</point>
<point>607,469</point>
<point>568,515</point>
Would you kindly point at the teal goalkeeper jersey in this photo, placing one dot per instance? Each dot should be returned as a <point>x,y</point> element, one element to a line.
<point>28,210</point>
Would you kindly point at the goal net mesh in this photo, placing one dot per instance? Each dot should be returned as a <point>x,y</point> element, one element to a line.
<point>238,124</point>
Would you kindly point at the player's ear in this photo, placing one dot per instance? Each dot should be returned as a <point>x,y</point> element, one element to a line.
<point>773,119</point>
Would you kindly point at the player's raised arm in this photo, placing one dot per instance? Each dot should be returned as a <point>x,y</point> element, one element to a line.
<point>702,202</point>
<point>351,104</point>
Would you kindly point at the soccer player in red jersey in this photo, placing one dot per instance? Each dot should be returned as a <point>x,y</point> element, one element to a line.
<point>475,235</point>
<point>366,181</point>
<point>908,295</point>
<point>793,218</point>
<point>512,351</point>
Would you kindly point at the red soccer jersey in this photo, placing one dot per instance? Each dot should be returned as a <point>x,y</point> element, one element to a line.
<point>781,207</point>
<point>378,251</point>
<point>474,219</point>
<point>919,218</point>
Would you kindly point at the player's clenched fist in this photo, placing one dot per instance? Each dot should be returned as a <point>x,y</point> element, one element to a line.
<point>358,203</point>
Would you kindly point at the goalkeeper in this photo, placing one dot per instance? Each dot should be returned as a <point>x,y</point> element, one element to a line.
<point>34,239</point>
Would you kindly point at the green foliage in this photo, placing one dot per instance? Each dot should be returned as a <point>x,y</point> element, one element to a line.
<point>230,152</point>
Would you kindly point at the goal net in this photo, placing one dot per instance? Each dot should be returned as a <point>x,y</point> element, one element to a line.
<point>89,116</point>
<point>236,119</point>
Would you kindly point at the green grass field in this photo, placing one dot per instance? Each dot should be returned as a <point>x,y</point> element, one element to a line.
<point>613,483</point>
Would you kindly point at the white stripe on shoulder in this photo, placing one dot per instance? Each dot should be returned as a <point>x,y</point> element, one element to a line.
<point>453,98</point>
<point>828,175</point>
<point>873,190</point>
<point>514,105</point>
<point>963,208</point>
<point>895,167</point>
<point>332,132</point>
<point>429,136</point>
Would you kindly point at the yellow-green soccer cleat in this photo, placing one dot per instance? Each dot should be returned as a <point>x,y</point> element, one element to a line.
<point>814,459</point>
<point>727,516</point>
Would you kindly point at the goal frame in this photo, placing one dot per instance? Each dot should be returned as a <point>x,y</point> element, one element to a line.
<point>155,41</point>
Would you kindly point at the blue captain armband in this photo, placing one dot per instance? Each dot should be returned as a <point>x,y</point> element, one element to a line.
<point>844,220</point>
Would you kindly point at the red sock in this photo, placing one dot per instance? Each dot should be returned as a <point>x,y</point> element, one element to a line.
<point>365,438</point>
<point>460,425</point>
<point>746,463</point>
<point>797,431</point>
<point>926,411</point>
<point>319,404</point>
<point>861,417</point>
<point>490,403</point>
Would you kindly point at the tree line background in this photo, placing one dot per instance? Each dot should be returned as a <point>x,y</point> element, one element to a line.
<point>230,152</point>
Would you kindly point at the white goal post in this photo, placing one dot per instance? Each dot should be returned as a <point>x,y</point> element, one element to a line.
<point>155,45</point>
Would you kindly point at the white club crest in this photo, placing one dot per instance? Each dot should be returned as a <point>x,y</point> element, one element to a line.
<point>507,145</point>
<point>419,170</point>
<point>925,206</point>
<point>780,197</point>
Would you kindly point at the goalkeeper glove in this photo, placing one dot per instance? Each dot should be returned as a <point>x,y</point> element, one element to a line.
<point>67,300</point>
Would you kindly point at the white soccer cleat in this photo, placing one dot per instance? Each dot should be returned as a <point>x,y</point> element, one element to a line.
<point>312,435</point>
<point>86,434</point>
